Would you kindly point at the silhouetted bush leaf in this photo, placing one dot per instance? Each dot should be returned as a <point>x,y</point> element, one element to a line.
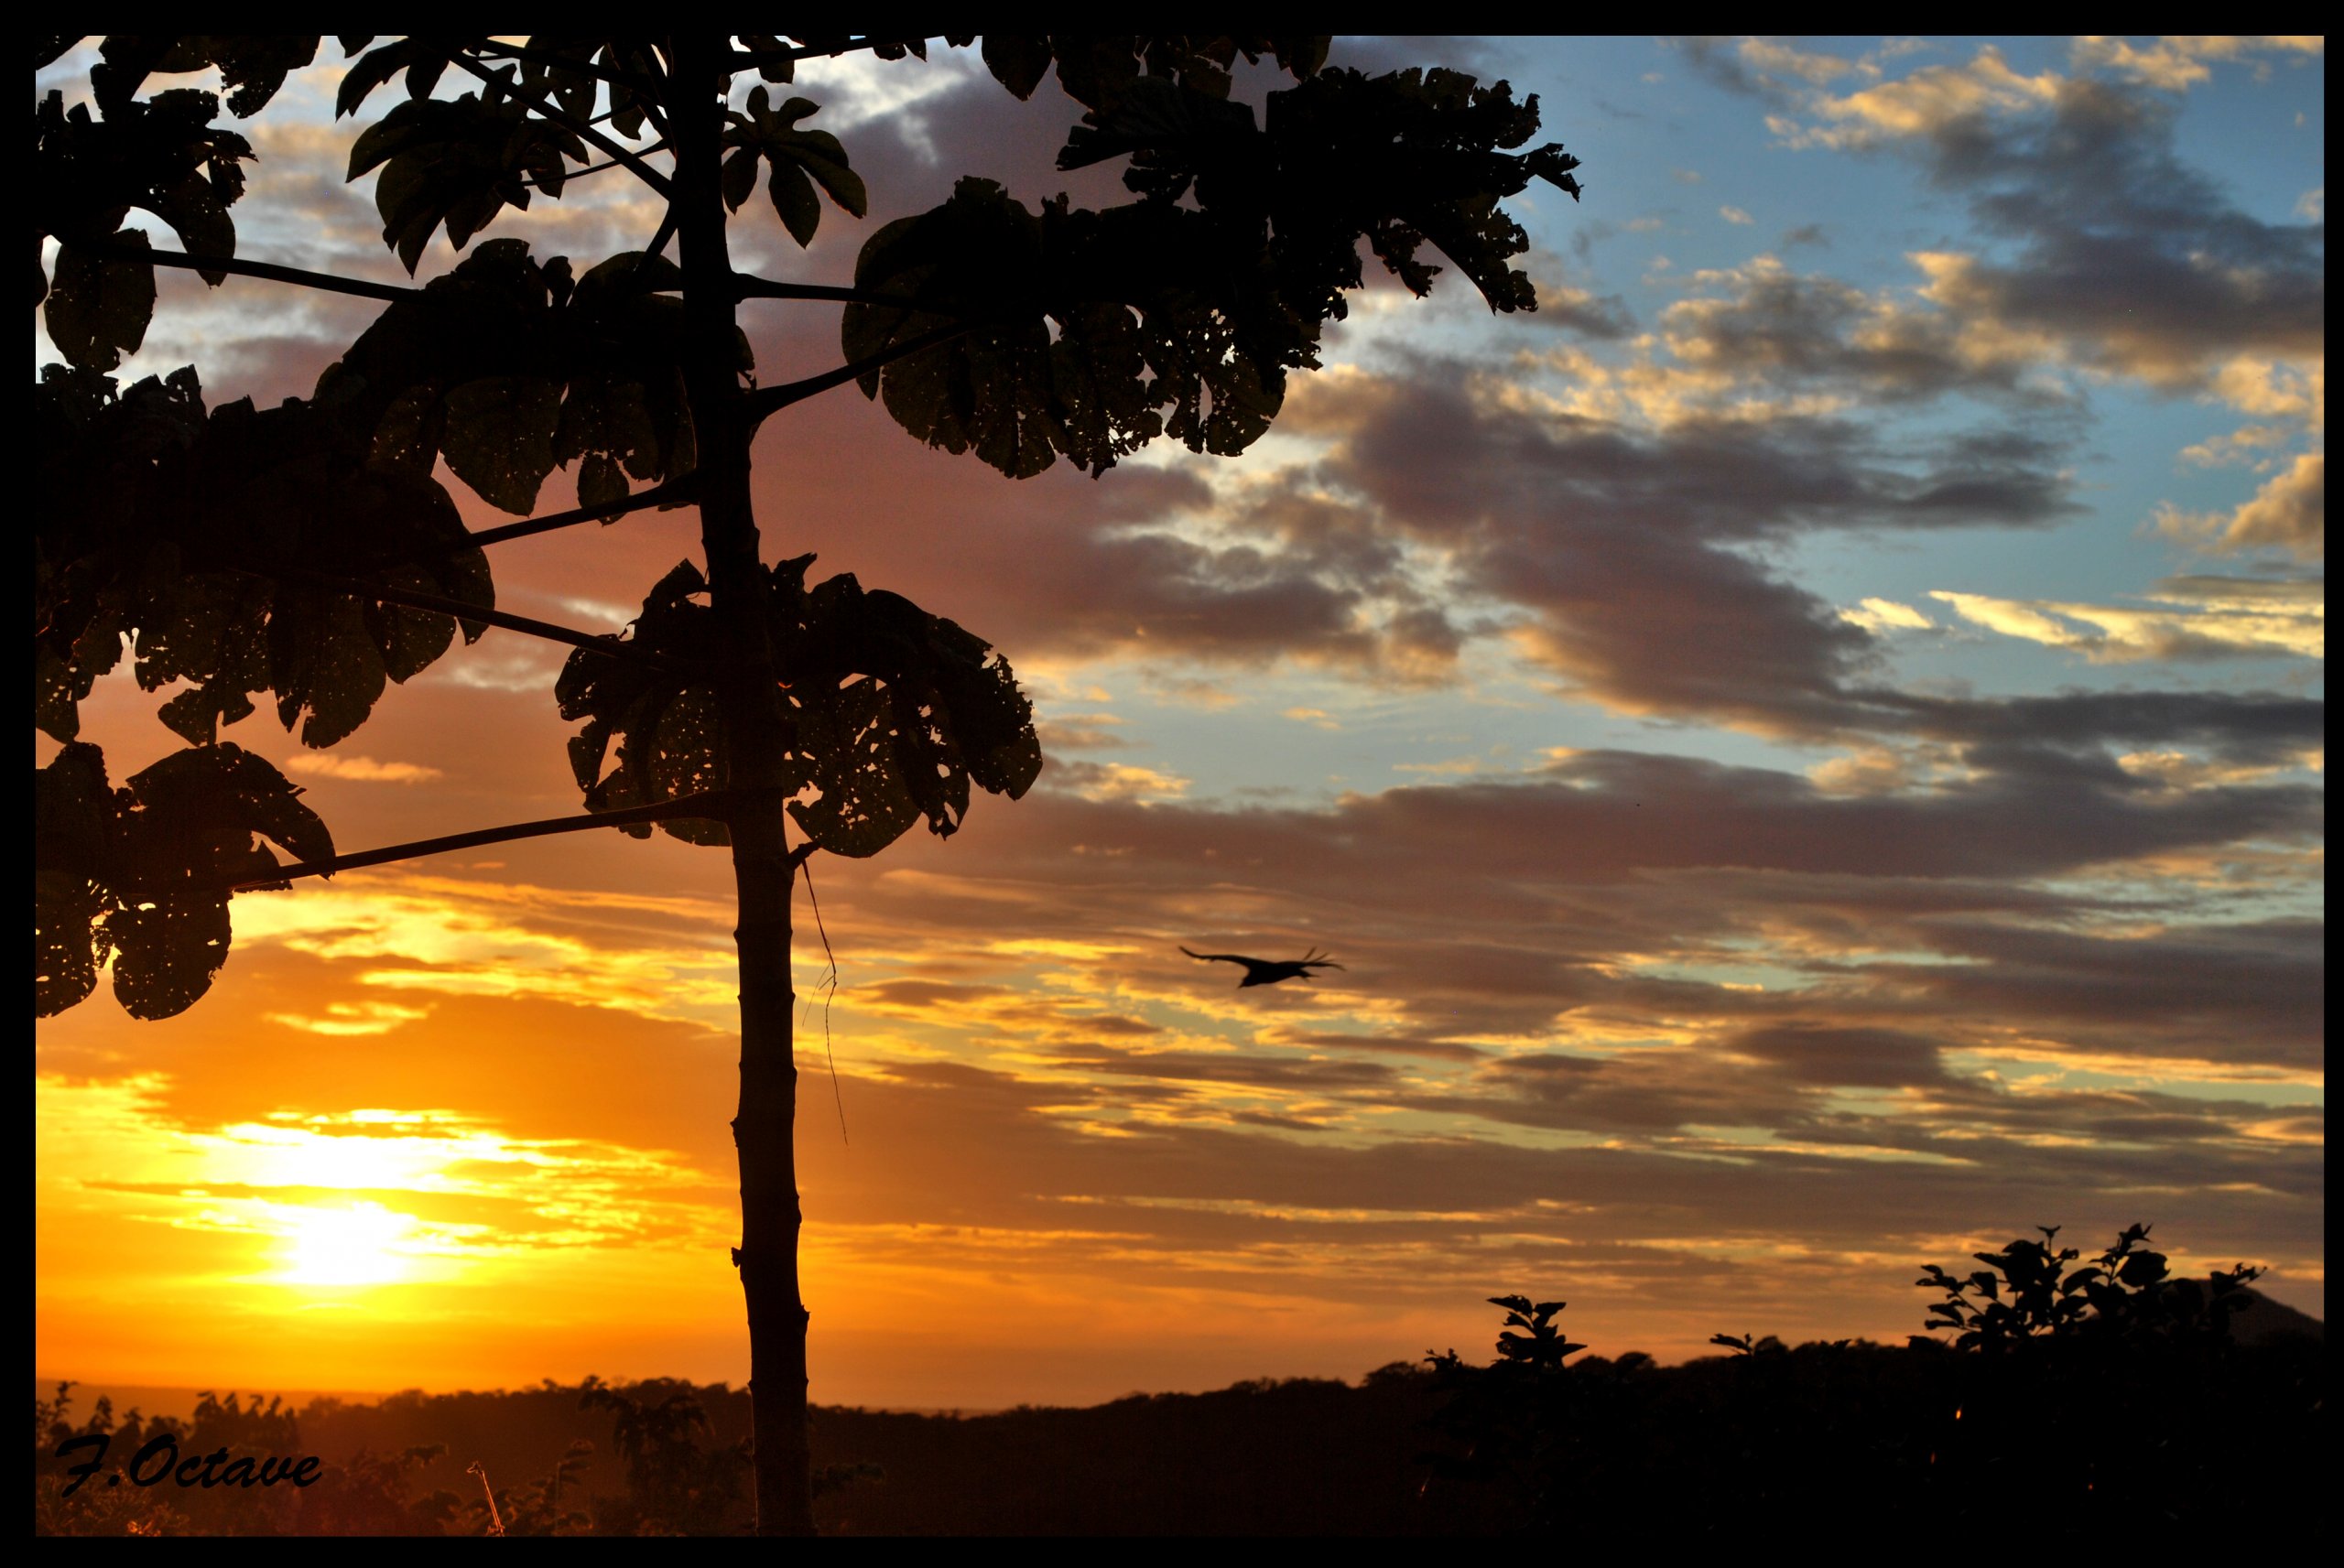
<point>456,164</point>
<point>500,436</point>
<point>251,67</point>
<point>143,871</point>
<point>163,155</point>
<point>799,161</point>
<point>889,713</point>
<point>98,311</point>
<point>623,702</point>
<point>421,59</point>
<point>1088,334</point>
<point>508,368</point>
<point>849,736</point>
<point>159,523</point>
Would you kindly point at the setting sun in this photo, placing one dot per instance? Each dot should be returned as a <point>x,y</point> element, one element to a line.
<point>353,1246</point>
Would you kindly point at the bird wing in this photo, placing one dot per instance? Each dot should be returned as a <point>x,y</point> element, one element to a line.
<point>1219,957</point>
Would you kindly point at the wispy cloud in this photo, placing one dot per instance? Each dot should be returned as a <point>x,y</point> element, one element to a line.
<point>365,769</point>
<point>2190,629</point>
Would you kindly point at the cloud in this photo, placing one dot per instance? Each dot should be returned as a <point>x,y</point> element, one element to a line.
<point>1617,537</point>
<point>1925,102</point>
<point>1871,1058</point>
<point>2181,982</point>
<point>2271,389</point>
<point>2022,734</point>
<point>1880,616</point>
<point>2289,513</point>
<point>2239,446</point>
<point>2105,250</point>
<point>1767,66</point>
<point>1579,311</point>
<point>1769,58</point>
<point>1765,326</point>
<point>2180,770</point>
<point>1118,781</point>
<point>2177,64</point>
<point>2127,258</point>
<point>326,764</point>
<point>349,1018</point>
<point>2108,634</point>
<point>1081,732</point>
<point>1735,215</point>
<point>2295,596</point>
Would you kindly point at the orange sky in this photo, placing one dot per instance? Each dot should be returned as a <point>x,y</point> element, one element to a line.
<point>1756,873</point>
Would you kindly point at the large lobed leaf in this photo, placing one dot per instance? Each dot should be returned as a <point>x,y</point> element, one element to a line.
<point>163,156</point>
<point>888,713</point>
<point>509,368</point>
<point>895,712</point>
<point>667,738</point>
<point>252,67</point>
<point>141,874</point>
<point>799,161</point>
<point>1086,334</point>
<point>160,524</point>
<point>456,163</point>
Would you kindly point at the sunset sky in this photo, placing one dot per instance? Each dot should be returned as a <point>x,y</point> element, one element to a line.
<point>1809,748</point>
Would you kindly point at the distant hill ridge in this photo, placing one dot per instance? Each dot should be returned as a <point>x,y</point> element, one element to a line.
<point>2260,1320</point>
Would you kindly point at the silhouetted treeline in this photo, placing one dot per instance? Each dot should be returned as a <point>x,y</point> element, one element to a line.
<point>2077,1403</point>
<point>2075,1400</point>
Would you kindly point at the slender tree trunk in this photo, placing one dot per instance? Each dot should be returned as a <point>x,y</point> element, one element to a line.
<point>762,1130</point>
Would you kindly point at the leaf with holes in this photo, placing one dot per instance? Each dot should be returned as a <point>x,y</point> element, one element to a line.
<point>143,871</point>
<point>160,522</point>
<point>500,435</point>
<point>848,736</point>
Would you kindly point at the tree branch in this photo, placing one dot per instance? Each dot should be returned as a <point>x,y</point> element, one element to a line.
<point>676,491</point>
<point>327,281</point>
<point>579,128</point>
<point>458,607</point>
<point>747,286</point>
<point>577,173</point>
<point>773,399</point>
<point>715,806</point>
<point>666,231</point>
<point>679,489</point>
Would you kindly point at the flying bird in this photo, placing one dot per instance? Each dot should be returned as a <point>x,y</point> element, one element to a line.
<point>1269,971</point>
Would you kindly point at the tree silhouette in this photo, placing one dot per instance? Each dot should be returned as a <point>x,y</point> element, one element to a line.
<point>306,552</point>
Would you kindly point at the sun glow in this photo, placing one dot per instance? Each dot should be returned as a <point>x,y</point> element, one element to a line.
<point>353,1246</point>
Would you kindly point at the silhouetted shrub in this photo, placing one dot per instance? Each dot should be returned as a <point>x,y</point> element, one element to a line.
<point>2090,1401</point>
